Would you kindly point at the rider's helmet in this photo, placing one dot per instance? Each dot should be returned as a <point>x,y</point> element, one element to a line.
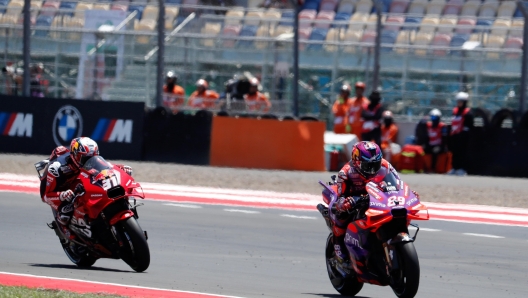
<point>82,149</point>
<point>435,115</point>
<point>366,158</point>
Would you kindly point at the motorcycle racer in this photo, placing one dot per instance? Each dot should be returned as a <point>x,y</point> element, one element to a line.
<point>59,181</point>
<point>365,165</point>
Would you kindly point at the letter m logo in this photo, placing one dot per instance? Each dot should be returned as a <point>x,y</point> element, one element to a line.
<point>16,124</point>
<point>122,131</point>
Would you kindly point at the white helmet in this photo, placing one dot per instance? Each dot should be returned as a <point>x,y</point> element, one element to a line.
<point>435,112</point>
<point>462,96</point>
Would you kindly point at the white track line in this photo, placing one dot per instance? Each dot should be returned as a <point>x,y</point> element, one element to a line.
<point>483,235</point>
<point>184,205</point>
<point>430,230</point>
<point>298,216</point>
<point>114,284</point>
<point>242,211</point>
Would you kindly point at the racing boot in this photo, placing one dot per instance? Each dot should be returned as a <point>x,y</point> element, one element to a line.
<point>64,214</point>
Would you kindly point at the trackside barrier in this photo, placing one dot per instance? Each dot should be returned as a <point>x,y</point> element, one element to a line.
<point>37,125</point>
<point>179,138</point>
<point>267,144</point>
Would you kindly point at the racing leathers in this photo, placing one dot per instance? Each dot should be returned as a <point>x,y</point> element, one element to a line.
<point>352,195</point>
<point>59,182</point>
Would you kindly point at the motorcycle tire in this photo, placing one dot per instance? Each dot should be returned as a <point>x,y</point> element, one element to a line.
<point>136,254</point>
<point>408,278</point>
<point>81,260</point>
<point>347,286</point>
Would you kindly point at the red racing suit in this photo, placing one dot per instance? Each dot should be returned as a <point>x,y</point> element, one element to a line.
<point>350,183</point>
<point>61,175</point>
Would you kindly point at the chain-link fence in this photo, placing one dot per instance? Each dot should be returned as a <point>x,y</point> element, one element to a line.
<point>119,61</point>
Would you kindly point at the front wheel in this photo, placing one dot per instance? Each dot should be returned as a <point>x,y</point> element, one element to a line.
<point>136,254</point>
<point>349,285</point>
<point>405,281</point>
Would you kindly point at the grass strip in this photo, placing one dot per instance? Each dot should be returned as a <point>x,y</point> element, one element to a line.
<point>24,292</point>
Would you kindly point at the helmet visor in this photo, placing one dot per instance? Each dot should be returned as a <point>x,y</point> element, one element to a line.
<point>370,167</point>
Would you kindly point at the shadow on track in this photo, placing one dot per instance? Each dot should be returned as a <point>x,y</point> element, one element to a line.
<point>63,266</point>
<point>332,295</point>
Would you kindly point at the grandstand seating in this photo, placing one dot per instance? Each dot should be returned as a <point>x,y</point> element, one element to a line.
<point>443,23</point>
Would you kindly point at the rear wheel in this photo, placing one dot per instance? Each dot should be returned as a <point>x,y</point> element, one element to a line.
<point>348,285</point>
<point>135,251</point>
<point>406,280</point>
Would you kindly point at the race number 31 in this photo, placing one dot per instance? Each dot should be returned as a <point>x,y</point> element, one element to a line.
<point>110,182</point>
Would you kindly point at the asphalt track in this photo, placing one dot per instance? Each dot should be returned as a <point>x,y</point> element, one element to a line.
<point>264,252</point>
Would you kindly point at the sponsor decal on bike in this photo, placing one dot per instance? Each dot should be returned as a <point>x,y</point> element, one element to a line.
<point>95,195</point>
<point>67,124</point>
<point>412,201</point>
<point>352,240</point>
<point>377,204</point>
<point>391,188</point>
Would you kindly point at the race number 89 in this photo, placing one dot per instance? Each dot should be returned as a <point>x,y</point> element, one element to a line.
<point>391,202</point>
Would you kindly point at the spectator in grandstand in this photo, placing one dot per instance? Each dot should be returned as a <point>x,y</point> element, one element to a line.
<point>255,100</point>
<point>436,138</point>
<point>461,126</point>
<point>371,116</point>
<point>173,95</point>
<point>389,134</point>
<point>340,109</point>
<point>13,79</point>
<point>37,83</point>
<point>355,108</point>
<point>203,98</point>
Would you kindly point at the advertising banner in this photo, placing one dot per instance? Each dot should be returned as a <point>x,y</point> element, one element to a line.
<point>106,63</point>
<point>37,125</point>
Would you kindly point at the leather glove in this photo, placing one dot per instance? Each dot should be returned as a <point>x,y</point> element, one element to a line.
<point>416,194</point>
<point>127,169</point>
<point>362,201</point>
<point>345,204</point>
<point>66,196</point>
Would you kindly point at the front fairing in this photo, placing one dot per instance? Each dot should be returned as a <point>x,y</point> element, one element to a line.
<point>105,183</point>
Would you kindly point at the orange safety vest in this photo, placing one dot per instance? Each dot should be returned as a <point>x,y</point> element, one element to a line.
<point>355,107</point>
<point>435,133</point>
<point>457,122</point>
<point>257,102</point>
<point>370,125</point>
<point>205,100</point>
<point>388,135</point>
<point>174,98</point>
<point>340,111</point>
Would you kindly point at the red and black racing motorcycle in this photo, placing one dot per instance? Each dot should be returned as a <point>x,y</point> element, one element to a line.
<point>105,217</point>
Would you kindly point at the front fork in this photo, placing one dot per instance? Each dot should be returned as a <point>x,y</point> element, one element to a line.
<point>389,247</point>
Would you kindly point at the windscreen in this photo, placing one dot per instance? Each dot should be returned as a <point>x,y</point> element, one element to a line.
<point>386,180</point>
<point>96,164</point>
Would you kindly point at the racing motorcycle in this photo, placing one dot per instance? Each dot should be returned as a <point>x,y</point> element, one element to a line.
<point>105,216</point>
<point>380,248</point>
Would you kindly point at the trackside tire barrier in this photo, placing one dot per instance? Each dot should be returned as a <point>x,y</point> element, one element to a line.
<point>501,115</point>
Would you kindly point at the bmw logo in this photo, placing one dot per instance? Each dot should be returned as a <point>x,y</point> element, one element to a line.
<point>67,124</point>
